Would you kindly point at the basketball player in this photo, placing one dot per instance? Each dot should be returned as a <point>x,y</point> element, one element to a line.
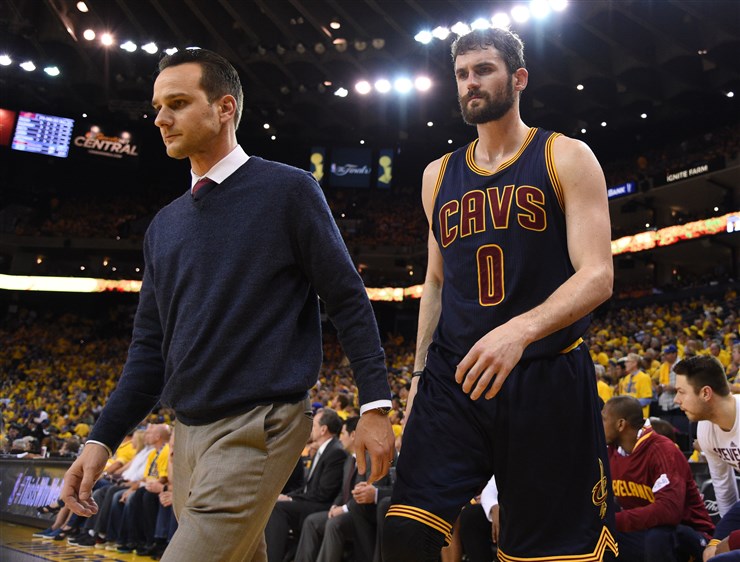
<point>519,255</point>
<point>227,331</point>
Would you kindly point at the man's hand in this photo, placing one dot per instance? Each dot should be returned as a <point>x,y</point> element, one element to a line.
<point>364,493</point>
<point>374,435</point>
<point>80,478</point>
<point>165,498</point>
<point>154,486</point>
<point>491,360</point>
<point>127,494</point>
<point>709,552</point>
<point>335,510</point>
<point>284,498</point>
<point>495,523</point>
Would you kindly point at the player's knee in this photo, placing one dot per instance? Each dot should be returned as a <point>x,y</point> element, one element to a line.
<point>407,540</point>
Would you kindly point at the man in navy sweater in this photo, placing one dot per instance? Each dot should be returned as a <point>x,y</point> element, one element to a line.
<point>228,332</point>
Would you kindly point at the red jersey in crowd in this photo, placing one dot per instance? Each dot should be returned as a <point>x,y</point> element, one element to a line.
<point>654,486</point>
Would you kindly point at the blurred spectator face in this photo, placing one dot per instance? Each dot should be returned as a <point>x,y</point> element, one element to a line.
<point>347,439</point>
<point>714,348</point>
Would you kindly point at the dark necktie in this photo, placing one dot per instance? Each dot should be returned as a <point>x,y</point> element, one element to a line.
<point>202,187</point>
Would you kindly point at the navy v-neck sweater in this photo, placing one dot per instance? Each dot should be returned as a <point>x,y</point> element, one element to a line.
<point>228,316</point>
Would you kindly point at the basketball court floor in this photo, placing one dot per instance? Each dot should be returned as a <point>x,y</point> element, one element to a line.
<point>18,545</point>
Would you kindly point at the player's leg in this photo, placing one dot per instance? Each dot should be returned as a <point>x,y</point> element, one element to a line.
<point>444,462</point>
<point>551,468</point>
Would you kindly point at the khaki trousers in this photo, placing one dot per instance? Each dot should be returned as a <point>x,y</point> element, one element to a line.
<point>226,479</point>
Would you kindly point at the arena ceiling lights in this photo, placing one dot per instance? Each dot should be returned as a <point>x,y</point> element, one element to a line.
<point>520,13</point>
<point>401,85</point>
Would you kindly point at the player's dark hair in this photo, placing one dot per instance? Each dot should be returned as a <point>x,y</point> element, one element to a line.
<point>331,420</point>
<point>219,77</point>
<point>505,41</point>
<point>704,370</point>
<point>627,408</point>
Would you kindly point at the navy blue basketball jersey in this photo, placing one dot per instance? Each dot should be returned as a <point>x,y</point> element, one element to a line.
<point>503,241</point>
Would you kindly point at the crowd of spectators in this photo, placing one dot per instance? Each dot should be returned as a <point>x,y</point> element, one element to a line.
<point>58,370</point>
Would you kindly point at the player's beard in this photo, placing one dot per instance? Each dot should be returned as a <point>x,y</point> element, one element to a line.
<point>489,109</point>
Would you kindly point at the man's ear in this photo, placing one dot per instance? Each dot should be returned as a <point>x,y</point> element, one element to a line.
<point>521,79</point>
<point>227,107</point>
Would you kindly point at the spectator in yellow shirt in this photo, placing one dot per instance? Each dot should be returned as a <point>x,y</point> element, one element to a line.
<point>637,383</point>
<point>602,387</point>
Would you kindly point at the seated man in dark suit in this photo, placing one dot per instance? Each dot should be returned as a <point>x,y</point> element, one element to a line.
<point>323,483</point>
<point>368,511</point>
<point>325,533</point>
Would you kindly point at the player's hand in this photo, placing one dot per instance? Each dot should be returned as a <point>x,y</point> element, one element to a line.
<point>374,435</point>
<point>495,523</point>
<point>490,361</point>
<point>80,478</point>
<point>364,493</point>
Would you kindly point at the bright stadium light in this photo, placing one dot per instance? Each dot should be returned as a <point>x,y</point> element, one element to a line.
<point>150,48</point>
<point>501,20</point>
<point>403,85</point>
<point>106,39</point>
<point>170,51</point>
<point>579,87</point>
<point>5,60</point>
<point>460,28</point>
<point>422,83</point>
<point>558,5</point>
<point>52,70</point>
<point>129,46</point>
<point>383,86</point>
<point>540,9</point>
<point>480,23</point>
<point>424,37</point>
<point>520,14</point>
<point>89,34</point>
<point>28,66</point>
<point>342,92</point>
<point>441,33</point>
<point>363,87</point>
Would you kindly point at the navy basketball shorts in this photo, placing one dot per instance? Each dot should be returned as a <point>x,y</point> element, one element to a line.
<point>541,436</point>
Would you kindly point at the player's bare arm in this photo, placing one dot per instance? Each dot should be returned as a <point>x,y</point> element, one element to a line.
<point>492,358</point>
<point>431,299</point>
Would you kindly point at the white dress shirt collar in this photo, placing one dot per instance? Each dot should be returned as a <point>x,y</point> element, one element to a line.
<point>223,168</point>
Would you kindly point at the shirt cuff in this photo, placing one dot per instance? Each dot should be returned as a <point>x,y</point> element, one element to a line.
<point>110,453</point>
<point>376,404</point>
<point>345,509</point>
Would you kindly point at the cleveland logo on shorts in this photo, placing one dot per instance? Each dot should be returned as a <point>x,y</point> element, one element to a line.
<point>599,493</point>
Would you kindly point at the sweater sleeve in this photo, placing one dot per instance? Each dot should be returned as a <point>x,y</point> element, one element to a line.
<point>669,490</point>
<point>142,380</point>
<point>723,475</point>
<point>327,264</point>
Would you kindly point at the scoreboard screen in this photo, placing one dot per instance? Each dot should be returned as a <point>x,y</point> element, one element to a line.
<point>43,134</point>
